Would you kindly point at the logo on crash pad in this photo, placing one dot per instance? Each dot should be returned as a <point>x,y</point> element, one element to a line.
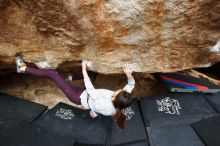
<point>128,112</point>
<point>65,114</point>
<point>169,106</point>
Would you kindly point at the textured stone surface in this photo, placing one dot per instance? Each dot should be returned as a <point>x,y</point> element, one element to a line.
<point>44,91</point>
<point>154,35</point>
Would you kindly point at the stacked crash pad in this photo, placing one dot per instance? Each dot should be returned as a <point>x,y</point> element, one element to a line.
<point>16,126</point>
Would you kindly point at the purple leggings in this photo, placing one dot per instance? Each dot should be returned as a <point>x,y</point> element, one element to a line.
<point>73,93</point>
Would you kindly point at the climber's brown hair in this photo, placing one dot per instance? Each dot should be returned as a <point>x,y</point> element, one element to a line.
<point>121,101</point>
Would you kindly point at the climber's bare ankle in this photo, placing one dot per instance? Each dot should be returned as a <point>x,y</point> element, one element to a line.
<point>23,68</point>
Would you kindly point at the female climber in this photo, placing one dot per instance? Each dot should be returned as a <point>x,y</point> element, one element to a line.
<point>99,101</point>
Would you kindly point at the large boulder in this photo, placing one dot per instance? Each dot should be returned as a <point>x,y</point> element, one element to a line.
<point>154,35</point>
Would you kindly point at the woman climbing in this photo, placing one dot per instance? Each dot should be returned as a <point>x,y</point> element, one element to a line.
<point>99,101</point>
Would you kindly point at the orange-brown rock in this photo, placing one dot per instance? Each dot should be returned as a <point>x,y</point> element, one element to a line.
<point>154,35</point>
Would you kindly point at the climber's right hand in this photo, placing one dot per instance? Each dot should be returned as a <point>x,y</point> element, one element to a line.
<point>84,65</point>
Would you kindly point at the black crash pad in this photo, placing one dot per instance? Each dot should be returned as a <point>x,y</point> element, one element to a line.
<point>26,134</point>
<point>137,144</point>
<point>14,110</point>
<point>180,82</point>
<point>209,130</point>
<point>134,131</point>
<point>173,135</point>
<point>76,123</point>
<point>214,100</point>
<point>175,107</point>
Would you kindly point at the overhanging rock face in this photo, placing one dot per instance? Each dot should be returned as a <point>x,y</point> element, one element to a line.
<point>154,35</point>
